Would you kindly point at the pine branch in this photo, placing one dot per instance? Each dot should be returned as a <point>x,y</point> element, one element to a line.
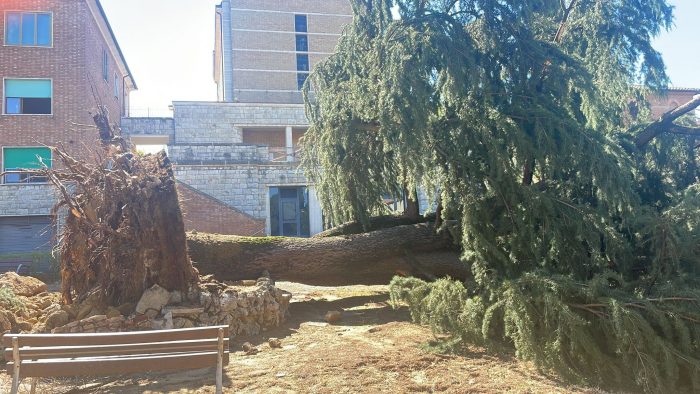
<point>665,122</point>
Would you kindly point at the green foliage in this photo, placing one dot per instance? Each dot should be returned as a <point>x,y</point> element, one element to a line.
<point>8,299</point>
<point>594,333</point>
<point>516,112</point>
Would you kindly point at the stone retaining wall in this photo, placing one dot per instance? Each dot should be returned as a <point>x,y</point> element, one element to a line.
<point>247,310</point>
<point>218,153</point>
<point>26,199</point>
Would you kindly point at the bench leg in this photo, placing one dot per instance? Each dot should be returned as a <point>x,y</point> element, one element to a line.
<point>33,389</point>
<point>220,364</point>
<point>17,364</point>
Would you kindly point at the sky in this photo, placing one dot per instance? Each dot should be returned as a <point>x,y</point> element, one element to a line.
<point>169,43</point>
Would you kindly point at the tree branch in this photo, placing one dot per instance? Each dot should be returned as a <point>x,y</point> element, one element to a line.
<point>665,122</point>
<point>684,130</point>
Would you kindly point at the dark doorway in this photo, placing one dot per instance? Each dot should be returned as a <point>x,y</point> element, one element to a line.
<point>289,211</point>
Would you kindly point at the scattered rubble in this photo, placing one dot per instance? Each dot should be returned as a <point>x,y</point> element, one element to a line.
<point>246,307</point>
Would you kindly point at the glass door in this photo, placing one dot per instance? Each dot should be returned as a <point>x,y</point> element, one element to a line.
<point>289,211</point>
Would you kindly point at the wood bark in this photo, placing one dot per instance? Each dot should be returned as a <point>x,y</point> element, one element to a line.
<point>375,223</point>
<point>368,258</point>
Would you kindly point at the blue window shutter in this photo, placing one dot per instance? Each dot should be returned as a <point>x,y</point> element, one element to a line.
<point>28,88</point>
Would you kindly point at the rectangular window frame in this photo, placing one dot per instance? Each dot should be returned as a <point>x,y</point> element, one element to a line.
<point>28,173</point>
<point>36,26</point>
<point>116,86</point>
<point>305,38</point>
<point>297,18</point>
<point>105,65</point>
<point>4,97</point>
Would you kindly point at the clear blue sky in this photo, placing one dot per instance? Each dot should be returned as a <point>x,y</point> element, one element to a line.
<point>169,44</point>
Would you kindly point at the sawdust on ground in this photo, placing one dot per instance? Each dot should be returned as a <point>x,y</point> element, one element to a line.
<point>372,349</point>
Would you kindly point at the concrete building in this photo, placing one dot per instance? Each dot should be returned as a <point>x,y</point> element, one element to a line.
<point>236,160</point>
<point>59,60</point>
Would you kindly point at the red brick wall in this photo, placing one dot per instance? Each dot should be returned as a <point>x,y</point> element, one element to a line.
<point>71,63</point>
<point>205,214</point>
<point>674,98</point>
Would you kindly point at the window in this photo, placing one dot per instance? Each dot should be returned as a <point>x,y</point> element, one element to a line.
<point>116,86</point>
<point>300,23</point>
<point>31,29</point>
<point>28,96</point>
<point>105,65</point>
<point>301,78</point>
<point>18,163</point>
<point>302,62</point>
<point>302,43</point>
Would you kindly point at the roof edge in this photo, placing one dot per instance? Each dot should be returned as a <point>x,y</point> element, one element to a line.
<point>116,43</point>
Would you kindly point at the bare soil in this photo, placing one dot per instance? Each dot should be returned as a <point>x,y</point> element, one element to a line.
<point>372,349</point>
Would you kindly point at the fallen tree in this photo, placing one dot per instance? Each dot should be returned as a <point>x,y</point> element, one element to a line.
<point>368,258</point>
<point>123,231</point>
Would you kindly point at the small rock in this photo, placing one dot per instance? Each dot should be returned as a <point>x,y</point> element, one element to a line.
<point>24,326</point>
<point>22,285</point>
<point>5,323</point>
<point>83,311</point>
<point>113,312</point>
<point>181,322</point>
<point>126,309</point>
<point>249,349</point>
<point>274,343</point>
<point>71,309</point>
<point>155,297</point>
<point>374,329</point>
<point>175,297</point>
<point>151,313</point>
<point>57,319</point>
<point>333,317</point>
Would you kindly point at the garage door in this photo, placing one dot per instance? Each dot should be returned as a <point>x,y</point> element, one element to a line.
<point>25,234</point>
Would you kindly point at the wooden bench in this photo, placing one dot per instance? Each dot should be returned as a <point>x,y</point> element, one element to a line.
<point>19,267</point>
<point>64,355</point>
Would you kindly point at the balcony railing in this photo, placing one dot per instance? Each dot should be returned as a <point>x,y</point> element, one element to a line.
<point>282,154</point>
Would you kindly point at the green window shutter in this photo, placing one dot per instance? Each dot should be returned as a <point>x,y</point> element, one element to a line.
<point>28,88</point>
<point>26,157</point>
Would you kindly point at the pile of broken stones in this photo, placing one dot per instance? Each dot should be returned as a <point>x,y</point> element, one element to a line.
<point>247,307</point>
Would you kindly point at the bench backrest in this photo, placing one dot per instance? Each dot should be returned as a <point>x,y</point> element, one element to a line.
<point>45,355</point>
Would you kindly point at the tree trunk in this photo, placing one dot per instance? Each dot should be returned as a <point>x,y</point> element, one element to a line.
<point>375,223</point>
<point>369,258</point>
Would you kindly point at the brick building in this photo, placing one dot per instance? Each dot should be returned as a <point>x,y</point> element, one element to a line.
<point>59,61</point>
<point>236,159</point>
<point>671,99</point>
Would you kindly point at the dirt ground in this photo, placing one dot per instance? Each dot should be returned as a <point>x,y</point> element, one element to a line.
<point>372,349</point>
